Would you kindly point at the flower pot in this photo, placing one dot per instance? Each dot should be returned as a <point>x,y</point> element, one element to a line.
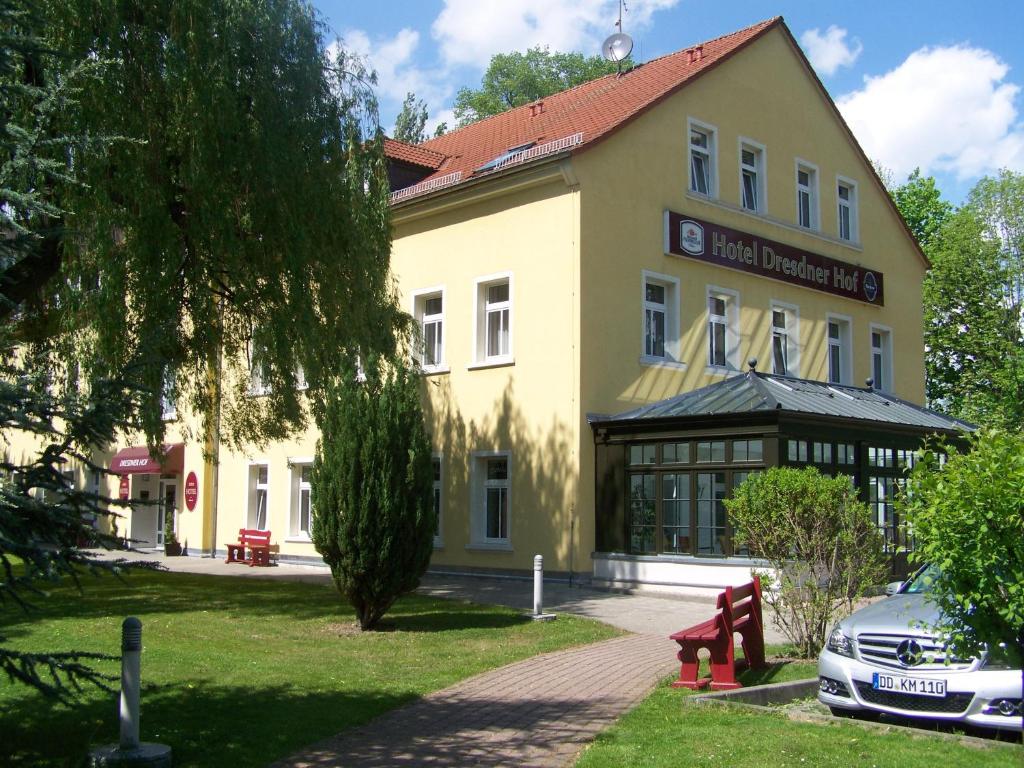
<point>172,548</point>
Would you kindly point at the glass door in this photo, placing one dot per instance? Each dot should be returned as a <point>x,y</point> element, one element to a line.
<point>167,505</point>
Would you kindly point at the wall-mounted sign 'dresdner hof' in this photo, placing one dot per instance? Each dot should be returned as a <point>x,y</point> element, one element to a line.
<point>715,244</point>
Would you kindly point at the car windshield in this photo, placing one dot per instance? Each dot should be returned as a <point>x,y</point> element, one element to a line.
<point>921,582</point>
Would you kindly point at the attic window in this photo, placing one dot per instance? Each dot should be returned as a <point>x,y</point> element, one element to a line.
<point>492,164</point>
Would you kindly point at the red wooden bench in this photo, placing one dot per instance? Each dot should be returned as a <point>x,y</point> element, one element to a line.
<point>739,610</point>
<point>253,548</point>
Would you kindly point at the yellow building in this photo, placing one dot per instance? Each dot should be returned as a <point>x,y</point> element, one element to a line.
<point>621,243</point>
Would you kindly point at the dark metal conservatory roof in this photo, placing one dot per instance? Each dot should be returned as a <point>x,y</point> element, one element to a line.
<point>754,392</point>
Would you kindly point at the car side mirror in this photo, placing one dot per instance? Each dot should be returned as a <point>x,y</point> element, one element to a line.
<point>893,587</point>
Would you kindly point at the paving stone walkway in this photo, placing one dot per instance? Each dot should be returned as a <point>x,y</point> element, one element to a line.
<point>540,712</point>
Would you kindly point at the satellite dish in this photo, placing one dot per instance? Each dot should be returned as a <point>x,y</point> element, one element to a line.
<point>617,47</point>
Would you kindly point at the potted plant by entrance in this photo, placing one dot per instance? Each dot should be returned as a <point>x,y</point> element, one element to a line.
<point>172,548</point>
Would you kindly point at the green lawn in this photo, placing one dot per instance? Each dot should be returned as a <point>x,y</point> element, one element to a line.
<point>243,671</point>
<point>665,731</point>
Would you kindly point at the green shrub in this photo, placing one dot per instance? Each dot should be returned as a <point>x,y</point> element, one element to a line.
<point>820,542</point>
<point>372,488</point>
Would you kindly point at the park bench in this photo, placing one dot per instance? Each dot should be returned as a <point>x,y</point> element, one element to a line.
<point>253,548</point>
<point>739,610</point>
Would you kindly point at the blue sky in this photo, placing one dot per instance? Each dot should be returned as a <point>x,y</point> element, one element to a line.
<point>923,83</point>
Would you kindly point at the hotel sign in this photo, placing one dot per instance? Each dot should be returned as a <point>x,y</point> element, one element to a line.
<point>697,239</point>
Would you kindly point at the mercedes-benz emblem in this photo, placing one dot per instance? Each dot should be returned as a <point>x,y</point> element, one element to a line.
<point>909,653</point>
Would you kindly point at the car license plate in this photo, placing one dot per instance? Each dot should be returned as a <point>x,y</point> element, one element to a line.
<point>919,686</point>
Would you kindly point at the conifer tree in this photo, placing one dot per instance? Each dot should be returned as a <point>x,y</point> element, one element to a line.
<point>373,512</point>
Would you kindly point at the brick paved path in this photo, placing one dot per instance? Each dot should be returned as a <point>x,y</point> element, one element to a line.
<point>539,712</point>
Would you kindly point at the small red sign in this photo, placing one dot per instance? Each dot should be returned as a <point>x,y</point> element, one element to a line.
<point>191,491</point>
<point>123,489</point>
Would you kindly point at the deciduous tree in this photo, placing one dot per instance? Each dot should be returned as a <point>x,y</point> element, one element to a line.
<point>968,519</point>
<point>411,121</point>
<point>514,79</point>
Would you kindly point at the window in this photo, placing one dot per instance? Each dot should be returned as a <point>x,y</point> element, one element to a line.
<point>806,195</point>
<point>494,320</point>
<point>821,453</point>
<point>846,195</point>
<point>675,453</point>
<point>839,350</point>
<point>711,452</point>
<point>845,454</point>
<point>785,339</point>
<point>723,328</point>
<point>752,173</point>
<point>881,357</point>
<point>259,377</point>
<point>258,496</point>
<point>435,465</point>
<point>491,483</point>
<point>797,451</point>
<point>496,499</point>
<point>642,453</point>
<point>711,539</point>
<point>641,513</point>
<point>428,309</point>
<point>660,319</point>
<point>675,495</point>
<point>748,450</point>
<point>702,159</point>
<point>302,509</point>
<point>168,408</point>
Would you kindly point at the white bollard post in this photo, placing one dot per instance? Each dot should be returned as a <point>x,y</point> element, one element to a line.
<point>538,591</point>
<point>538,585</point>
<point>131,650</point>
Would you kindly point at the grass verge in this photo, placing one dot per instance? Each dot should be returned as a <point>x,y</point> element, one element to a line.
<point>663,731</point>
<point>243,671</point>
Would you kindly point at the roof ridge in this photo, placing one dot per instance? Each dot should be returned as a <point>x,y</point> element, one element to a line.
<point>615,75</point>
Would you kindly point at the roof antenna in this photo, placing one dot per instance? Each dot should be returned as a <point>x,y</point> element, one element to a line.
<point>619,45</point>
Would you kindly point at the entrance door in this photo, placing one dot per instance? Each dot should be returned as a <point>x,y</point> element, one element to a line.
<point>167,505</point>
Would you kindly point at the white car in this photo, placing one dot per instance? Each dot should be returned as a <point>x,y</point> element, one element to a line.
<point>881,659</point>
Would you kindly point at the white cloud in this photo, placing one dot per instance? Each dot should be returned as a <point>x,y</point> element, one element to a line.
<point>469,32</point>
<point>830,51</point>
<point>945,110</point>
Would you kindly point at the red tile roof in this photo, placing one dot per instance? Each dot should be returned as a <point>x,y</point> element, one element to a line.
<point>595,109</point>
<point>415,154</point>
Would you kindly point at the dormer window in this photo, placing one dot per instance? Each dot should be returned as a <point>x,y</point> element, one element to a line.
<point>492,164</point>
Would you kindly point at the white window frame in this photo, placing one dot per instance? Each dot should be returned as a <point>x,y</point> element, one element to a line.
<point>438,491</point>
<point>812,190</point>
<point>295,532</point>
<point>480,309</point>
<point>478,513</point>
<point>845,344</point>
<point>419,300</point>
<point>886,384</point>
<point>793,346</point>
<point>853,204</point>
<point>253,488</point>
<point>711,152</point>
<point>673,341</point>
<point>256,384</point>
<point>732,328</point>
<point>760,169</point>
<point>168,405</point>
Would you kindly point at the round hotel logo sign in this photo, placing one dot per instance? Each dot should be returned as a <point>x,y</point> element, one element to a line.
<point>191,491</point>
<point>123,488</point>
<point>870,286</point>
<point>691,237</point>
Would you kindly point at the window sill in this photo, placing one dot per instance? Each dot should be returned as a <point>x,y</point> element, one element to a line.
<point>661,362</point>
<point>298,540</point>
<point>488,546</point>
<point>169,416</point>
<point>494,362</point>
<point>435,370</point>
<point>719,370</point>
<point>438,544</point>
